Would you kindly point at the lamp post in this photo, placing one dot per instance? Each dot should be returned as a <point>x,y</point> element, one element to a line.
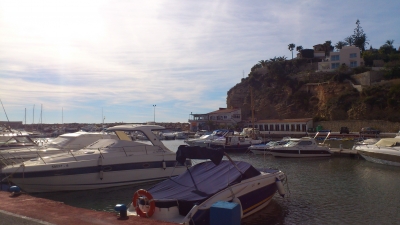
<point>154,113</point>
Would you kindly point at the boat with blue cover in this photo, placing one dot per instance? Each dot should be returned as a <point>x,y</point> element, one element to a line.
<point>188,197</point>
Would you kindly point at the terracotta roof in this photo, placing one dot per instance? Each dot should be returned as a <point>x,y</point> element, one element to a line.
<point>224,110</point>
<point>284,120</point>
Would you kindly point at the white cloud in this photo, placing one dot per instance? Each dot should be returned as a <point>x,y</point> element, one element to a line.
<point>183,56</point>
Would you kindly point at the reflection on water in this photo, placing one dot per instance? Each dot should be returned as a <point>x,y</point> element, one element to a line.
<point>336,190</point>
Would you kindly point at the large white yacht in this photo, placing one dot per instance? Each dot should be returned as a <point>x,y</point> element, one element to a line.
<point>63,143</point>
<point>104,163</point>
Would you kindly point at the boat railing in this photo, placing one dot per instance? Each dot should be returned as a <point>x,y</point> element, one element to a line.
<point>146,149</point>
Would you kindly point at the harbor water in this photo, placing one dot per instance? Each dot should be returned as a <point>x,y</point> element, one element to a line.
<point>335,190</point>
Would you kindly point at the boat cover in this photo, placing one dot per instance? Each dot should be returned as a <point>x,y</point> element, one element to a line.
<point>196,152</point>
<point>209,179</point>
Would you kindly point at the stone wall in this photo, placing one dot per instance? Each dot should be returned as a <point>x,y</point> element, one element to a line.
<point>367,78</point>
<point>356,125</point>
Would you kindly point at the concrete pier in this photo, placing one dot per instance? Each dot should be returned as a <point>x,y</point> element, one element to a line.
<point>29,210</point>
<point>343,152</point>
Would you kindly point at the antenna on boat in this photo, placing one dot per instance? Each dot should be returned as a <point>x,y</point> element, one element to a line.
<point>4,110</point>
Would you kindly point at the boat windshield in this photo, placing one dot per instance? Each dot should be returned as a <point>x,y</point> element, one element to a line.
<point>291,144</point>
<point>58,142</point>
<point>19,139</point>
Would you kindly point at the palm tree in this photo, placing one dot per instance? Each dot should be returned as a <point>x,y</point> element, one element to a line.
<point>328,47</point>
<point>340,45</point>
<point>389,43</point>
<point>263,62</point>
<point>299,48</point>
<point>349,40</point>
<point>281,58</point>
<point>291,48</point>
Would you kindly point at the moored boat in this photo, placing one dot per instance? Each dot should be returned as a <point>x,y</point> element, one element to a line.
<point>302,148</point>
<point>385,151</point>
<point>188,197</point>
<point>206,139</point>
<point>238,143</point>
<point>44,148</point>
<point>104,163</point>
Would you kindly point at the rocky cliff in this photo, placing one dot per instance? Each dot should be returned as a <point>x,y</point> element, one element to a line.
<point>295,93</point>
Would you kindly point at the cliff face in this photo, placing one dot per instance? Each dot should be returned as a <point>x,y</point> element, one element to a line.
<point>327,98</point>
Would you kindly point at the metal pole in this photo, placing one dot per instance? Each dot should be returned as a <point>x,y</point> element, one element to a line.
<point>154,113</point>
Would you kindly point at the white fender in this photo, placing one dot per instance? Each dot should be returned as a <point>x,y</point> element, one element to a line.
<point>280,187</point>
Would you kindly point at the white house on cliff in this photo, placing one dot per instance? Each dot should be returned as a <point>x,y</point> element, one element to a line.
<point>349,55</point>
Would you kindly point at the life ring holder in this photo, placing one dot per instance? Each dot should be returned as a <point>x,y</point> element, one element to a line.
<point>148,200</point>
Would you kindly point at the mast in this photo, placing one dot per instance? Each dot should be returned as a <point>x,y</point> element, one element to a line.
<point>41,116</point>
<point>252,112</point>
<point>33,120</point>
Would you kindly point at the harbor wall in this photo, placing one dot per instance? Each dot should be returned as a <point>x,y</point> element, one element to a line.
<point>356,125</point>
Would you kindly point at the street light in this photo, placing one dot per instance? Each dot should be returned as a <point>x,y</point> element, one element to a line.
<point>154,113</point>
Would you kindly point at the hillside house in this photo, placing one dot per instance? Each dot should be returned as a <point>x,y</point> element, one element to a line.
<point>348,55</point>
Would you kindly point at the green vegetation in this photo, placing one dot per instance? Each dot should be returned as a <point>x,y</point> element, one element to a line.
<point>294,89</point>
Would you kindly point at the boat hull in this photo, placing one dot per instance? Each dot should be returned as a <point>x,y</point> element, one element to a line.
<point>300,153</point>
<point>252,195</point>
<point>260,152</point>
<point>85,175</point>
<point>380,158</point>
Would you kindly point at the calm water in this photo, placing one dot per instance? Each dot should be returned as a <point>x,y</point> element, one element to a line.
<point>336,190</point>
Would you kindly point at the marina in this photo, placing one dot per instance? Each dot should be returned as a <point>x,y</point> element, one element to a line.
<point>319,190</point>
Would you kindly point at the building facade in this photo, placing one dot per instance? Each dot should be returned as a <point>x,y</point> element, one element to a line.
<point>348,55</point>
<point>283,126</point>
<point>222,118</point>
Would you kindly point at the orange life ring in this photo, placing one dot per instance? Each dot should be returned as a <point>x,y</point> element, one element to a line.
<point>149,202</point>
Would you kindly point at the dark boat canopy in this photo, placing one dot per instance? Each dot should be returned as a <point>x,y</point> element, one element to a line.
<point>199,183</point>
<point>196,152</point>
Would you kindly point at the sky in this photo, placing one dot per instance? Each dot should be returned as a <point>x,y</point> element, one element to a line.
<point>87,61</point>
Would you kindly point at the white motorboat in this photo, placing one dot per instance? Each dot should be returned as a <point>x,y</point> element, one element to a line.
<point>206,139</point>
<point>180,135</point>
<point>200,133</point>
<point>301,148</point>
<point>6,133</point>
<point>104,163</point>
<point>238,143</point>
<point>385,151</point>
<point>263,148</point>
<point>188,198</point>
<point>167,135</point>
<point>19,141</point>
<point>63,143</point>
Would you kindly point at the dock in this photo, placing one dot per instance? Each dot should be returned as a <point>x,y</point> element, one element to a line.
<point>343,152</point>
<point>26,209</point>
